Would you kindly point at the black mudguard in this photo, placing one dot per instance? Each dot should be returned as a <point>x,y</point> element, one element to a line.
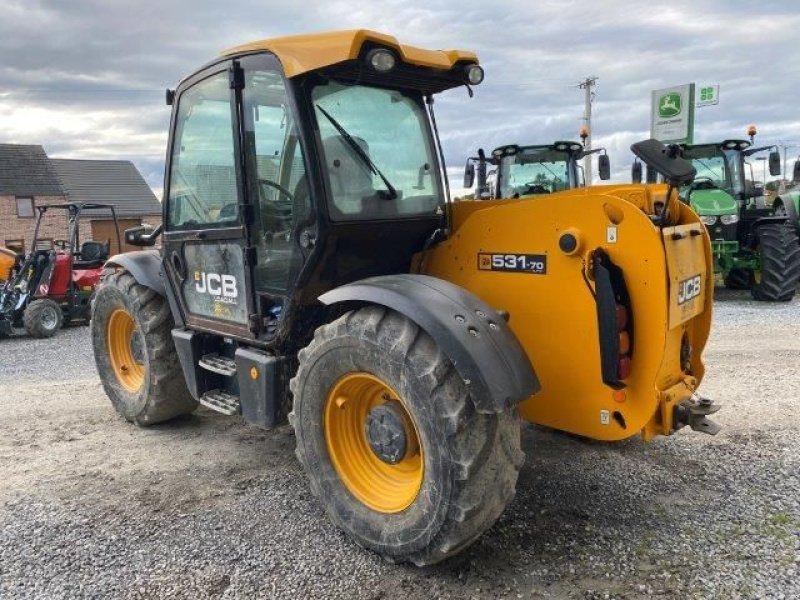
<point>483,349</point>
<point>770,220</point>
<point>791,211</point>
<point>144,266</point>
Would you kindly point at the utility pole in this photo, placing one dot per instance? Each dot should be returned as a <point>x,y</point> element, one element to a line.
<point>587,85</point>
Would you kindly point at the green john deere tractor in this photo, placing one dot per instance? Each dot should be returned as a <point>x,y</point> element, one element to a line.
<point>531,170</point>
<point>755,246</point>
<point>788,202</point>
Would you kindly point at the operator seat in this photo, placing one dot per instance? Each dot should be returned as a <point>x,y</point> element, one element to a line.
<point>353,194</point>
<point>92,255</point>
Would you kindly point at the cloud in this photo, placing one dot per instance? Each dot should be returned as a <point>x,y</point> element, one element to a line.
<point>86,78</point>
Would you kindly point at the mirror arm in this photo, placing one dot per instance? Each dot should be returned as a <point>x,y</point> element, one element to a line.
<point>153,235</point>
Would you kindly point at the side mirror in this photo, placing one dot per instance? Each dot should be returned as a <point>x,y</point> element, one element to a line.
<point>604,167</point>
<point>636,172</point>
<point>469,174</point>
<point>774,163</point>
<point>796,171</point>
<point>142,236</point>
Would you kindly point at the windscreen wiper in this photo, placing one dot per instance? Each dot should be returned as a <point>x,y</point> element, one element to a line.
<point>391,192</point>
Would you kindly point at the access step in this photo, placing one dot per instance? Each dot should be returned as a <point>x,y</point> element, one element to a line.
<point>222,402</point>
<point>218,364</point>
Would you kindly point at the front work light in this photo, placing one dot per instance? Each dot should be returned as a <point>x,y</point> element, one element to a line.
<point>381,59</point>
<point>709,220</point>
<point>474,74</point>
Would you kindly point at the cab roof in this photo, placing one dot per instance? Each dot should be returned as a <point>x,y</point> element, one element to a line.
<point>303,53</point>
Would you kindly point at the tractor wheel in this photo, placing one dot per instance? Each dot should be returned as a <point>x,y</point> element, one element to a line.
<point>43,318</point>
<point>391,441</point>
<point>779,251</point>
<point>739,279</point>
<point>131,334</point>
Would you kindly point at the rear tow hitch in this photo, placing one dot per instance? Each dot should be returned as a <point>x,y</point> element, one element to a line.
<point>694,412</point>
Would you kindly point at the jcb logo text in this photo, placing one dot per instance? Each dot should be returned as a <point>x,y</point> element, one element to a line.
<point>223,287</point>
<point>689,289</point>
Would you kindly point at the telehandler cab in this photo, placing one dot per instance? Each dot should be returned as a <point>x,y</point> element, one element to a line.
<point>531,170</point>
<point>312,266</point>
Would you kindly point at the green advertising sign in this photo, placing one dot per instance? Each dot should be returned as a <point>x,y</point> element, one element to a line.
<point>672,114</point>
<point>669,105</point>
<point>709,95</point>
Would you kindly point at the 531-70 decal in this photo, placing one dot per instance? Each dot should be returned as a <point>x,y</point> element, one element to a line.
<point>534,264</point>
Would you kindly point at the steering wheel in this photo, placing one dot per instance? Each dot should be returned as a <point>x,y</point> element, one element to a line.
<point>703,183</point>
<point>268,183</point>
<point>275,215</point>
<point>535,188</point>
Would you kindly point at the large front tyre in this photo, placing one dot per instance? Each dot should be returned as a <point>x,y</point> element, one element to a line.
<point>779,252</point>
<point>133,349</point>
<point>391,441</point>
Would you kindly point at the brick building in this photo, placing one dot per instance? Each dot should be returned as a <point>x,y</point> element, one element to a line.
<point>29,178</point>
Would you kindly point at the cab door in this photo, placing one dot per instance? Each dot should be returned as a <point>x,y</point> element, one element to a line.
<point>206,240</point>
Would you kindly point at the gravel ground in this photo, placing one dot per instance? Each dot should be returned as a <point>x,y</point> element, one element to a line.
<point>209,507</point>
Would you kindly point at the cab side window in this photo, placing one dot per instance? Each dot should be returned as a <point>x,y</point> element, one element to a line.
<point>276,178</point>
<point>202,183</point>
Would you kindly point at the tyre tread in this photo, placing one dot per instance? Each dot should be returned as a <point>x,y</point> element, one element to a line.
<point>485,449</point>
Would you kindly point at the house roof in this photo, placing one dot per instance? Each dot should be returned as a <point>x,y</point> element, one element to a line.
<point>115,182</point>
<point>25,170</point>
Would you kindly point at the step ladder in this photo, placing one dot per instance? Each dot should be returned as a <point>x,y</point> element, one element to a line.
<point>220,400</point>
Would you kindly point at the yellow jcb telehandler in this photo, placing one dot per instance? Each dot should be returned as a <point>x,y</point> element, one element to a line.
<point>313,268</point>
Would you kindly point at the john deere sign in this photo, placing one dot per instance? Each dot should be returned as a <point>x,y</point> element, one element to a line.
<point>669,105</point>
<point>672,114</point>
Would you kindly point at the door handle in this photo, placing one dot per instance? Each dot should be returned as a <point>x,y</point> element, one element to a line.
<point>178,265</point>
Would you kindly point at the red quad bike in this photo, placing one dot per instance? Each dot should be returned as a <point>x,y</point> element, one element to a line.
<point>54,285</point>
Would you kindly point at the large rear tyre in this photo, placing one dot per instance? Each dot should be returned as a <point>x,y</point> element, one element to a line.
<point>391,441</point>
<point>779,251</point>
<point>135,356</point>
<point>43,318</point>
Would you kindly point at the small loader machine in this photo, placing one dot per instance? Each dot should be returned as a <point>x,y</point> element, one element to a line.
<point>312,268</point>
<point>54,283</point>
<point>518,171</point>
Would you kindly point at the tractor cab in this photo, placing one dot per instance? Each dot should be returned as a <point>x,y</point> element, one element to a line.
<point>54,282</point>
<point>718,190</point>
<point>725,166</point>
<point>521,171</point>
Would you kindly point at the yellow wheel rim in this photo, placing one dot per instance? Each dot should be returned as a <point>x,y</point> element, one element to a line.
<point>383,487</point>
<point>120,337</point>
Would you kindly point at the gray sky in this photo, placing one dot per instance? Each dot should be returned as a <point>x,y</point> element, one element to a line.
<point>86,78</point>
